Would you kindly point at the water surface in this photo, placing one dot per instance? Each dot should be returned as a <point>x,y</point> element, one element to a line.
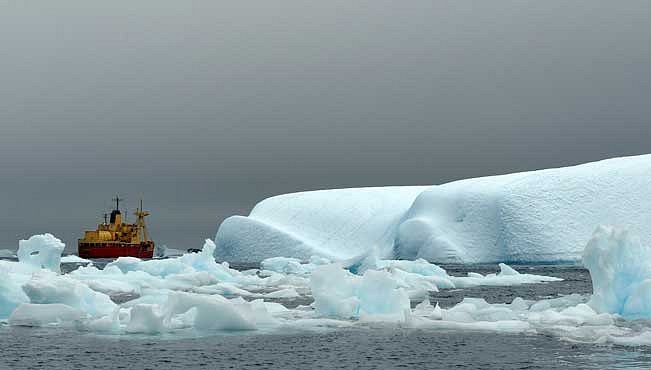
<point>379,347</point>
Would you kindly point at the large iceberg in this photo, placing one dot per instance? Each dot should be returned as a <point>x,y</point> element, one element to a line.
<point>337,224</point>
<point>539,216</point>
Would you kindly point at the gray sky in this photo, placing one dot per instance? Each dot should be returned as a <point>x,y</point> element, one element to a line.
<point>206,107</point>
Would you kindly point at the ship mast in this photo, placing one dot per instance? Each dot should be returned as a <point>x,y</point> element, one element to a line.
<point>143,235</point>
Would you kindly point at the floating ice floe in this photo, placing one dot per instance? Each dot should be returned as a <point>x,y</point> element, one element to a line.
<point>194,292</point>
<point>621,277</point>
<point>202,312</point>
<point>374,295</point>
<point>620,271</point>
<point>518,316</point>
<point>162,251</point>
<point>45,287</point>
<point>38,253</point>
<point>382,292</point>
<point>71,258</point>
<point>55,314</point>
<point>288,265</point>
<point>41,251</point>
<point>33,293</point>
<point>417,278</point>
<point>11,291</point>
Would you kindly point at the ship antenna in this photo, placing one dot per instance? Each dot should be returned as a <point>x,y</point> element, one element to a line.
<point>105,218</point>
<point>117,200</point>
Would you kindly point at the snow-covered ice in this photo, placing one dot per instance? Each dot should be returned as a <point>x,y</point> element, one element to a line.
<point>538,216</point>
<point>336,224</point>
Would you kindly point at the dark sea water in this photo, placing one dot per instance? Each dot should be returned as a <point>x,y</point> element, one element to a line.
<point>352,348</point>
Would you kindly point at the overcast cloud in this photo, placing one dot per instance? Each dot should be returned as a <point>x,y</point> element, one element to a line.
<point>206,107</point>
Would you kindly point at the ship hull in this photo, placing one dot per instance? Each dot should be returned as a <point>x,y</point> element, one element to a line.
<point>115,250</point>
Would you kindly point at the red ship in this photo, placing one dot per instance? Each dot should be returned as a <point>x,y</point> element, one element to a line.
<point>114,239</point>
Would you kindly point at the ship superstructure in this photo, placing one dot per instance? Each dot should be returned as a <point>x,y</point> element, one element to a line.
<point>114,238</point>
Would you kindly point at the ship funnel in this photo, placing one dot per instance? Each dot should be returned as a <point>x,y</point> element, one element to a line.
<point>116,217</point>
